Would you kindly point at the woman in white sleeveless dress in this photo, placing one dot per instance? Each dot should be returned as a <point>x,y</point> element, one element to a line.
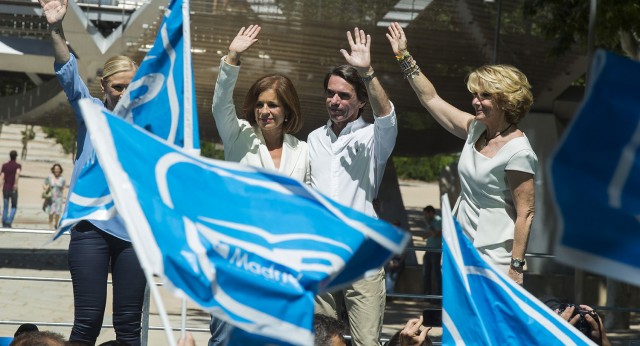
<point>497,164</point>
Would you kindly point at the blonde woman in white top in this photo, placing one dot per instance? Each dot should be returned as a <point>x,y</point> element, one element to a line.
<point>497,163</point>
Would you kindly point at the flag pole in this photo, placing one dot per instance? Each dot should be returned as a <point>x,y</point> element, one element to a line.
<point>187,77</point>
<point>183,327</point>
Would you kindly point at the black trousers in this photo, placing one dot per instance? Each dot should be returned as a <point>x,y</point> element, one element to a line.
<point>91,253</point>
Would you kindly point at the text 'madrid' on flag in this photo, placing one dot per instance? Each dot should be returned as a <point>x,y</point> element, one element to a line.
<point>160,99</point>
<point>595,175</point>
<point>483,306</point>
<point>249,245</point>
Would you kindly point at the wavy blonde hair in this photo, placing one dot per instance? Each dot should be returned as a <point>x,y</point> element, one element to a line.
<point>117,64</point>
<point>508,87</point>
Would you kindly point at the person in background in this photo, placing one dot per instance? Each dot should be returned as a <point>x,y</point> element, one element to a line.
<point>497,164</point>
<point>431,262</point>
<point>413,334</point>
<point>55,183</point>
<point>328,331</point>
<point>348,157</point>
<point>393,268</point>
<point>39,338</point>
<point>97,247</point>
<point>10,174</point>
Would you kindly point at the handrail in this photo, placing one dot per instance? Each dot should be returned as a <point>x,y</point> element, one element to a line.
<point>401,296</point>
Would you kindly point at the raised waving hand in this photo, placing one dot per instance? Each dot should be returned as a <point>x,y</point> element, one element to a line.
<point>244,40</point>
<point>397,39</point>
<point>360,55</point>
<point>54,10</point>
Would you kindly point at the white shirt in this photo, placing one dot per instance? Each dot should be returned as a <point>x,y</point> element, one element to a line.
<point>348,168</point>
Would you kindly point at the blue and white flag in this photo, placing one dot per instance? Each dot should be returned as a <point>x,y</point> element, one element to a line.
<point>595,174</point>
<point>160,99</point>
<point>483,306</point>
<point>249,245</point>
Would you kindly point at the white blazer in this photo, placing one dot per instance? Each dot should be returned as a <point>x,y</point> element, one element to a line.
<point>244,143</point>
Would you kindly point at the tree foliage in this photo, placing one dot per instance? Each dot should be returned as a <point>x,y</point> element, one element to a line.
<point>426,168</point>
<point>208,149</point>
<point>64,136</point>
<point>567,23</point>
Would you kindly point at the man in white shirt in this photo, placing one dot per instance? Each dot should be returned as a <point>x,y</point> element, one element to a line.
<point>347,158</point>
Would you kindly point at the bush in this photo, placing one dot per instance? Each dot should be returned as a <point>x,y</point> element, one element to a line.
<point>208,149</point>
<point>63,136</point>
<point>426,168</point>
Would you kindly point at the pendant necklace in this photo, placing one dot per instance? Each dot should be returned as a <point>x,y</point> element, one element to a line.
<point>486,134</point>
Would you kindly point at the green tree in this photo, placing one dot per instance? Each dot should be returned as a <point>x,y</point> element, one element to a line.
<point>567,23</point>
<point>423,168</point>
<point>208,149</point>
<point>64,136</point>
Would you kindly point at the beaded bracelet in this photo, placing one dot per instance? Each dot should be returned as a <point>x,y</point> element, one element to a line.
<point>413,73</point>
<point>409,66</point>
<point>403,56</point>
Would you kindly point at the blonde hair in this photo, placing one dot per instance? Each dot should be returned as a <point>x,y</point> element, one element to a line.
<point>117,64</point>
<point>508,86</point>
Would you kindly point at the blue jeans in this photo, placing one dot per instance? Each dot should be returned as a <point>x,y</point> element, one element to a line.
<point>220,332</point>
<point>7,216</point>
<point>91,253</point>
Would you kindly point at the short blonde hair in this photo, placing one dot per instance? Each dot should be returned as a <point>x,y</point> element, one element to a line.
<point>508,86</point>
<point>117,64</point>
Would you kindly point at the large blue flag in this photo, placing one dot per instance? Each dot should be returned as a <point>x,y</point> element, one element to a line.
<point>160,99</point>
<point>249,245</point>
<point>595,173</point>
<point>483,306</point>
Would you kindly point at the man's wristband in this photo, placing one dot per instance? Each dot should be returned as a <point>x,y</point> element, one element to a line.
<point>368,76</point>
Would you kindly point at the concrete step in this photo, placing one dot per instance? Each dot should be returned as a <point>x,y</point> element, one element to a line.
<point>40,149</point>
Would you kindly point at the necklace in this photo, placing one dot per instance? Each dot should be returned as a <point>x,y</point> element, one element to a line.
<point>486,134</point>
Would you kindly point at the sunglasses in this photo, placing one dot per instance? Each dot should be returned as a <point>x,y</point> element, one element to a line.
<point>119,87</point>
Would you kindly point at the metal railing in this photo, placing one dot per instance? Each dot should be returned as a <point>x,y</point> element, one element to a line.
<point>145,324</point>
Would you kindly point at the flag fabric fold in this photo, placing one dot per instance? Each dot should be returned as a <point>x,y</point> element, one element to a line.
<point>483,306</point>
<point>160,98</point>
<point>249,245</point>
<point>596,180</point>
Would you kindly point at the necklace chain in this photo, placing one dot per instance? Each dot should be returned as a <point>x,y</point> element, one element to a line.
<point>486,134</point>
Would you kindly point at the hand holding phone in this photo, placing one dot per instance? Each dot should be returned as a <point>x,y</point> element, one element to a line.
<point>432,317</point>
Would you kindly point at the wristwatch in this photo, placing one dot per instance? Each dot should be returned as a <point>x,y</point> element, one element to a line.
<point>517,263</point>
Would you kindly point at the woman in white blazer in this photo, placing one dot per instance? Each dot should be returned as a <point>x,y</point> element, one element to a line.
<point>263,137</point>
<point>270,115</point>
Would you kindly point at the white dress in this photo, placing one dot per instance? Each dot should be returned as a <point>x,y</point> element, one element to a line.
<point>485,208</point>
